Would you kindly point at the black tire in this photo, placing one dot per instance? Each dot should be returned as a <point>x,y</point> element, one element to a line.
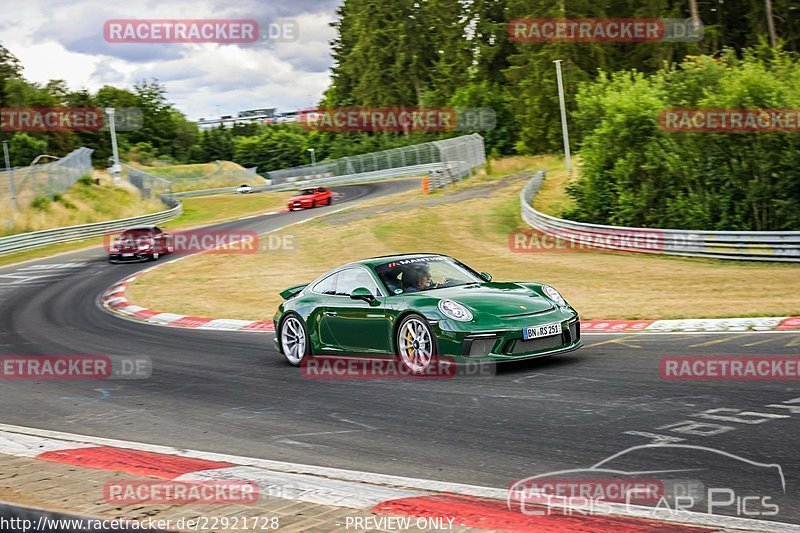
<point>292,321</point>
<point>403,356</point>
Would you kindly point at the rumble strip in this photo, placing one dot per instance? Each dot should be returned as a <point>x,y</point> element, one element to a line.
<point>382,495</point>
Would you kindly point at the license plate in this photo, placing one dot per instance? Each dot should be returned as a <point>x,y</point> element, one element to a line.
<point>545,330</point>
<point>127,255</point>
<point>297,204</point>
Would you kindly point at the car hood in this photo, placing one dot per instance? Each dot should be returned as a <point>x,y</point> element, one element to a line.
<point>498,299</point>
<point>300,197</point>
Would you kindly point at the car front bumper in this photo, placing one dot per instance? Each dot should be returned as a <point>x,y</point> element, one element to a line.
<point>129,258</point>
<point>505,344</point>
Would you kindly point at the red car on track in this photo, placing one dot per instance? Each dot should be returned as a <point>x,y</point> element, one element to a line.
<point>313,197</point>
<point>141,243</point>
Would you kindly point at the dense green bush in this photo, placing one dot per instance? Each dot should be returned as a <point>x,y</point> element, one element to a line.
<point>636,174</point>
<point>86,181</point>
<point>41,203</point>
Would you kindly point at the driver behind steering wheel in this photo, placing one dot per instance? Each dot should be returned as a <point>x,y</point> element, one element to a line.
<point>418,278</point>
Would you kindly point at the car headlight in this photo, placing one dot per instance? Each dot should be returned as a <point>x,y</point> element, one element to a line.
<point>455,310</point>
<point>554,295</point>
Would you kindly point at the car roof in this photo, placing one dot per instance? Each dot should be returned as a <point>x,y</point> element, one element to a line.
<point>372,262</point>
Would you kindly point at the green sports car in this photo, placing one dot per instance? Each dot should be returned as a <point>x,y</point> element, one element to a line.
<point>420,307</point>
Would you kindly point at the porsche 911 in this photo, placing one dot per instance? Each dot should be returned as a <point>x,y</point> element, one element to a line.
<point>420,307</point>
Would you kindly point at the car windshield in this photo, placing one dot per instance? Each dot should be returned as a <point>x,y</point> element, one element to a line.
<point>133,237</point>
<point>305,192</point>
<point>423,274</point>
<point>136,234</point>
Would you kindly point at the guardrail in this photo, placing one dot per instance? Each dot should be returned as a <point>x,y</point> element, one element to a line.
<point>452,172</point>
<point>37,239</point>
<point>740,245</point>
<point>335,180</point>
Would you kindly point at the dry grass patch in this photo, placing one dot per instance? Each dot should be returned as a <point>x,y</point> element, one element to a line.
<point>83,203</point>
<point>476,230</point>
<point>552,198</point>
<point>211,209</point>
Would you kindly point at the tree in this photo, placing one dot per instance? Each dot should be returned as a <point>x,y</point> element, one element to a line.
<point>217,145</point>
<point>636,174</point>
<point>24,148</point>
<point>10,68</point>
<point>275,148</point>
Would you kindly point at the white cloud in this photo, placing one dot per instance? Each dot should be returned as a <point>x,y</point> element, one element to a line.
<point>63,39</point>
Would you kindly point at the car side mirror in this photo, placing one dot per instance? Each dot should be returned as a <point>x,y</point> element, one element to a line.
<point>362,293</point>
<point>486,276</point>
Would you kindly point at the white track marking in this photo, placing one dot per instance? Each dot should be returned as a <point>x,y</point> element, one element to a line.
<point>22,445</point>
<point>306,488</point>
<point>381,482</point>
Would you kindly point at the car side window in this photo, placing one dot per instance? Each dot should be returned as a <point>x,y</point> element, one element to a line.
<point>327,285</point>
<point>352,279</point>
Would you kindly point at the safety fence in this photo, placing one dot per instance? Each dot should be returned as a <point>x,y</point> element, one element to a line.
<point>152,185</point>
<point>22,185</point>
<point>741,245</point>
<point>467,150</point>
<point>149,185</point>
<point>331,180</point>
<point>456,158</point>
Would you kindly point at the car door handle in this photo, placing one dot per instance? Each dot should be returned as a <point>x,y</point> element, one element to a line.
<point>330,313</point>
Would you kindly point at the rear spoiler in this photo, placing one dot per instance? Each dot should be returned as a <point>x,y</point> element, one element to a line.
<point>292,291</point>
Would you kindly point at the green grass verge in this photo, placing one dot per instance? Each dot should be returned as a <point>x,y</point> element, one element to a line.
<point>474,228</point>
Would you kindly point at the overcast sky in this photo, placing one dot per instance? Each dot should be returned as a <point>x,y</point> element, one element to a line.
<point>63,39</point>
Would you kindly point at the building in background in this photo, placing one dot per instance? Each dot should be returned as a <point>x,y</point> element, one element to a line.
<point>251,116</point>
<point>259,116</point>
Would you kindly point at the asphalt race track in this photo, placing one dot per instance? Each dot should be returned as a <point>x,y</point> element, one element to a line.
<point>233,393</point>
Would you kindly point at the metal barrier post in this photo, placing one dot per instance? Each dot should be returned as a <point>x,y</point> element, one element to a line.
<point>12,188</point>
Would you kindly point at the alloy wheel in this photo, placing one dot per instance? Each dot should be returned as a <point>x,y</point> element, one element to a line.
<point>293,340</point>
<point>415,344</point>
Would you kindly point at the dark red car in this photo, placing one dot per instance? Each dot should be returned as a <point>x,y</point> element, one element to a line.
<point>313,197</point>
<point>141,243</point>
